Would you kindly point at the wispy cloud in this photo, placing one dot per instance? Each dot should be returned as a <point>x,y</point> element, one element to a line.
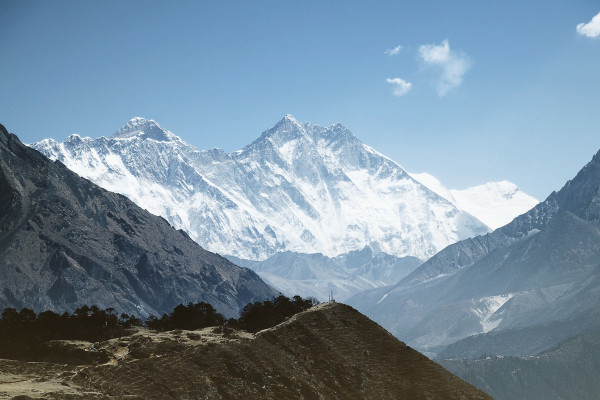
<point>401,87</point>
<point>591,29</point>
<point>453,65</point>
<point>394,51</point>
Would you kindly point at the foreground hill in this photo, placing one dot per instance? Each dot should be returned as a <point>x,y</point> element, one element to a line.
<point>328,352</point>
<point>521,289</point>
<point>65,241</point>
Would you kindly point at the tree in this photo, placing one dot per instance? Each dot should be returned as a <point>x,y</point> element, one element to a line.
<point>26,315</point>
<point>10,316</point>
<point>192,316</point>
<point>257,316</point>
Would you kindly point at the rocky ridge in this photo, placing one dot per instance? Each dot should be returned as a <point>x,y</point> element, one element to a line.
<point>65,241</point>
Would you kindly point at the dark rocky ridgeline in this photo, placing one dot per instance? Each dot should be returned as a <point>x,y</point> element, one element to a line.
<point>65,242</point>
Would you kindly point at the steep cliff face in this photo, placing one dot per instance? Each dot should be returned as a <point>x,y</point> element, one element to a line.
<point>65,241</point>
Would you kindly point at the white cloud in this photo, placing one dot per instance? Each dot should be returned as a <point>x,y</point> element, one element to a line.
<point>401,87</point>
<point>591,29</point>
<point>435,54</point>
<point>453,65</point>
<point>394,51</point>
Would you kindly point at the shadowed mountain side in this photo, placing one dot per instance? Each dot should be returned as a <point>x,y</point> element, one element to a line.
<point>542,269</point>
<point>328,352</point>
<point>568,372</point>
<point>65,241</point>
<point>523,341</point>
<point>579,196</point>
<point>318,276</point>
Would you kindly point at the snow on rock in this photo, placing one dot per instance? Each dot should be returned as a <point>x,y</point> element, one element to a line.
<point>486,307</point>
<point>298,187</point>
<point>493,203</point>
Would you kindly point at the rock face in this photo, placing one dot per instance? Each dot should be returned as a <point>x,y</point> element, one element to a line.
<point>534,281</point>
<point>328,352</point>
<point>299,187</point>
<point>65,241</point>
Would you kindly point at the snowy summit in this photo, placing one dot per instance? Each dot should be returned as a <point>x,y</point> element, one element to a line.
<point>298,187</point>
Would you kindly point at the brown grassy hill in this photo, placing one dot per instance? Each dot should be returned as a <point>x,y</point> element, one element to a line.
<point>328,352</point>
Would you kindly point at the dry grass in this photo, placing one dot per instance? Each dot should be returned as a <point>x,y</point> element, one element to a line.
<point>328,352</point>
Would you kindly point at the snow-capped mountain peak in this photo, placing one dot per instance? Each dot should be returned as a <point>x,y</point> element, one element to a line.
<point>289,129</point>
<point>433,184</point>
<point>144,129</point>
<point>286,130</point>
<point>298,187</point>
<point>290,119</point>
<point>494,203</point>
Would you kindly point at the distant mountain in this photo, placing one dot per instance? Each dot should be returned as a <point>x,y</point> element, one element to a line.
<point>534,280</point>
<point>65,241</point>
<point>567,372</point>
<point>319,276</point>
<point>493,203</point>
<point>327,352</point>
<point>299,187</point>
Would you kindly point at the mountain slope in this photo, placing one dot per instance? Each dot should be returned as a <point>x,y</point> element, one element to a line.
<point>328,352</point>
<point>567,372</point>
<point>65,242</point>
<point>542,268</point>
<point>494,203</point>
<point>299,187</point>
<point>320,276</point>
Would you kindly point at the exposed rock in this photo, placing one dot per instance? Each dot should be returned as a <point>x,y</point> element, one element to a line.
<point>65,241</point>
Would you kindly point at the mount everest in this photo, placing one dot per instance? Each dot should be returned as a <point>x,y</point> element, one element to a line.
<point>298,188</point>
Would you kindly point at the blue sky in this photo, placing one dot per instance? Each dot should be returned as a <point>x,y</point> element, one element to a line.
<point>478,91</point>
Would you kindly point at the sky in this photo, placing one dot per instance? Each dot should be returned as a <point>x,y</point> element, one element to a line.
<point>468,91</point>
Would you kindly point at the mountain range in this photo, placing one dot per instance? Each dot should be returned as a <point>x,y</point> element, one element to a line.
<point>292,206</point>
<point>297,205</point>
<point>319,276</point>
<point>298,187</point>
<point>518,290</point>
<point>65,242</point>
